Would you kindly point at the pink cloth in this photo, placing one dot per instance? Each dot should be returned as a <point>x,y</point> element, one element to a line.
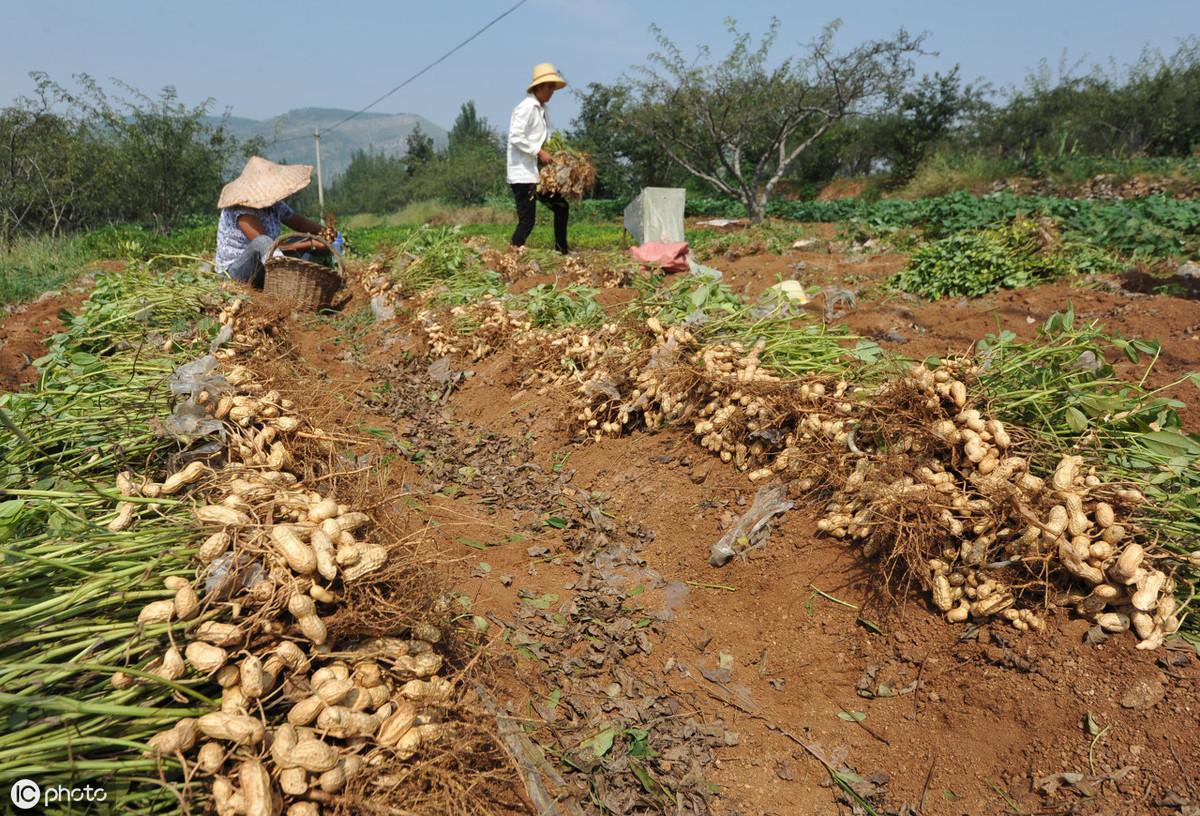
<point>670,257</point>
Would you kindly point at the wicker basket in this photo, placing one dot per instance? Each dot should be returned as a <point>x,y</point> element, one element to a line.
<point>305,284</point>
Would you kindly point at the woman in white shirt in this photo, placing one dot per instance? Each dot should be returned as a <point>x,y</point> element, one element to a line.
<point>528,131</point>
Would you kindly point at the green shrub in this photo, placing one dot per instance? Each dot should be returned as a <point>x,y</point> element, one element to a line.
<point>1024,253</point>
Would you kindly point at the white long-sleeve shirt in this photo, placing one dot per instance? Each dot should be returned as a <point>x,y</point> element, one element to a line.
<point>528,130</point>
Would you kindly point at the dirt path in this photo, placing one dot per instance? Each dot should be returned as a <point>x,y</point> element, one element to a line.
<point>586,568</point>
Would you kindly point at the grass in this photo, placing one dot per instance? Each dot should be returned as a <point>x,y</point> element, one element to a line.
<point>31,266</point>
<point>942,174</point>
<point>432,212</point>
<point>585,235</point>
<point>132,242</point>
<point>773,236</point>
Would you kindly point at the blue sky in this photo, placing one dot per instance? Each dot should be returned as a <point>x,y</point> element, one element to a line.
<point>262,58</point>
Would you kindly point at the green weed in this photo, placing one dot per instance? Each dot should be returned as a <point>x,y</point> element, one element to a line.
<point>31,266</point>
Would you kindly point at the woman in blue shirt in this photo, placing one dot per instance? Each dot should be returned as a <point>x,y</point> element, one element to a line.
<point>253,213</point>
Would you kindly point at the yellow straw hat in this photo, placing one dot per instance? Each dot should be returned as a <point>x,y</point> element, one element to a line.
<point>263,183</point>
<point>545,74</point>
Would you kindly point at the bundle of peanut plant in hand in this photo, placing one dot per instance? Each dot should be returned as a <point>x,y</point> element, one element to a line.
<point>570,172</point>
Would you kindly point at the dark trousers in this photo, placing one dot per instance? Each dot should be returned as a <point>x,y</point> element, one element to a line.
<point>527,197</point>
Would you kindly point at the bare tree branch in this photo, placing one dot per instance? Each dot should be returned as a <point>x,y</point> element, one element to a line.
<point>739,124</point>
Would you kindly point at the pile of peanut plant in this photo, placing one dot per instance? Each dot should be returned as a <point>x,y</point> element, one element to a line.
<point>168,577</point>
<point>940,471</point>
<point>71,584</point>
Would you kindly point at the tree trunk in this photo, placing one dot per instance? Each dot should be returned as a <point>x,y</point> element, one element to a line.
<point>756,206</point>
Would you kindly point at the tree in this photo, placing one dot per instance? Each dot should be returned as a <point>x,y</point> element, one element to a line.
<point>467,177</point>
<point>78,159</point>
<point>1147,108</point>
<point>472,166</point>
<point>625,161</point>
<point>37,174</point>
<point>739,123</point>
<point>419,150</point>
<point>471,130</point>
<point>372,182</point>
<point>926,113</point>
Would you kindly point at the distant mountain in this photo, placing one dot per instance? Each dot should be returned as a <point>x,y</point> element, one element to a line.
<point>289,137</point>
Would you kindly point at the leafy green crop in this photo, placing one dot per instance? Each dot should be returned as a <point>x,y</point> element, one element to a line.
<point>548,306</point>
<point>1154,226</point>
<point>1020,254</point>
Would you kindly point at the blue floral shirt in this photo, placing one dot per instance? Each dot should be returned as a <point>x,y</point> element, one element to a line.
<point>232,242</point>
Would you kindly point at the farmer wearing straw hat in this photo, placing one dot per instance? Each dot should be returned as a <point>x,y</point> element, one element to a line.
<point>528,131</point>
<point>253,213</point>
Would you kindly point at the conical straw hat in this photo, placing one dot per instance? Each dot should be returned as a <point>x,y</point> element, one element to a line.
<point>263,183</point>
<point>545,73</point>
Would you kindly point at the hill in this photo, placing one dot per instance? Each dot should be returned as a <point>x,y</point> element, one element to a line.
<point>289,136</point>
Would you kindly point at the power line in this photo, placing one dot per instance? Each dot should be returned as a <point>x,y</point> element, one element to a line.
<point>417,75</point>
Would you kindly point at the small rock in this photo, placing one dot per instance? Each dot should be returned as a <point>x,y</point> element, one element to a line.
<point>439,370</point>
<point>382,309</point>
<point>1188,269</point>
<point>879,778</point>
<point>537,551</point>
<point>700,473</point>
<point>506,580</point>
<point>1143,694</point>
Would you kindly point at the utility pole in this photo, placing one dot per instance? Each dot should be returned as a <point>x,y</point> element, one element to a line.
<point>320,185</point>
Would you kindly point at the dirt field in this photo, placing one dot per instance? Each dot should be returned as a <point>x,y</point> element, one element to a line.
<point>583,572</point>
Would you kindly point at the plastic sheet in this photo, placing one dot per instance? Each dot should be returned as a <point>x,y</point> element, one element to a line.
<point>199,375</point>
<point>700,270</point>
<point>670,257</point>
<point>769,502</point>
<point>656,214</point>
<point>782,301</point>
<point>189,421</point>
<point>839,302</point>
